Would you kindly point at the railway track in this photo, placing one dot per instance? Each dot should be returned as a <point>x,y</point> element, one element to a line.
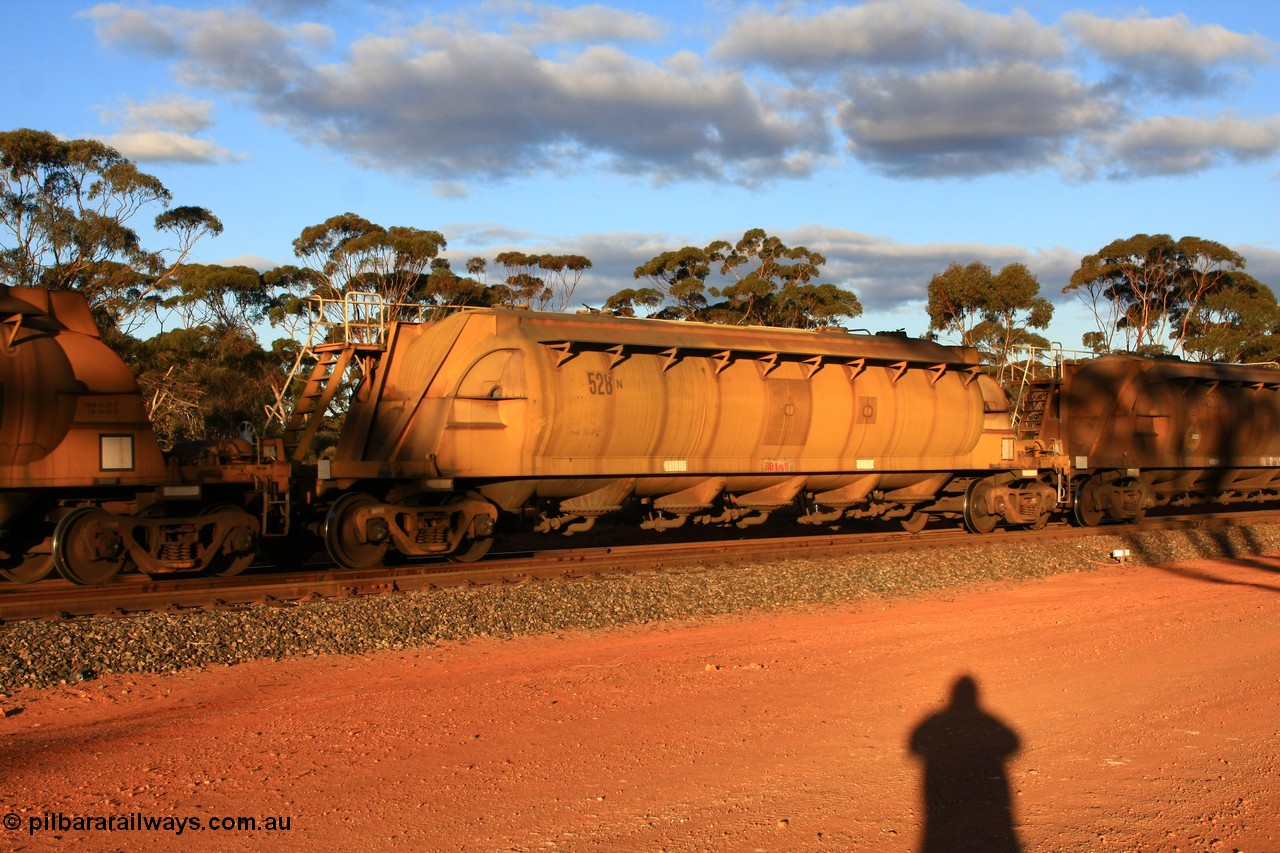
<point>267,585</point>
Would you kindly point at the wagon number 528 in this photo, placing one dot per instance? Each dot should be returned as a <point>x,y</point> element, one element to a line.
<point>599,384</point>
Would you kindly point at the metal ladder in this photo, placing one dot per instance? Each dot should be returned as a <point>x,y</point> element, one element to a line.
<point>352,328</point>
<point>322,386</point>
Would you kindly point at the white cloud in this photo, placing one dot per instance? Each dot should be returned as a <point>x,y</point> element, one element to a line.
<point>257,262</point>
<point>1169,55</point>
<point>186,115</point>
<point>1172,145</point>
<point>138,27</point>
<point>886,33</point>
<point>890,276</point>
<point>592,23</point>
<point>154,146</point>
<point>925,88</point>
<point>481,103</point>
<point>968,121</point>
<point>163,130</point>
<point>1263,264</point>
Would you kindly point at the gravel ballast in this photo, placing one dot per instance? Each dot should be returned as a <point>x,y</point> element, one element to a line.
<point>39,654</point>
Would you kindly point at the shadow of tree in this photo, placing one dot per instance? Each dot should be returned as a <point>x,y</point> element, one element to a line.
<point>1194,574</point>
<point>1238,544</point>
<point>966,788</point>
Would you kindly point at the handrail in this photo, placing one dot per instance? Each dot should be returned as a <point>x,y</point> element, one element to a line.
<point>360,317</point>
<point>1027,364</point>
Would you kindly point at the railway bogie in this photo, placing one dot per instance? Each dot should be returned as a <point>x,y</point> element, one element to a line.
<point>359,529</point>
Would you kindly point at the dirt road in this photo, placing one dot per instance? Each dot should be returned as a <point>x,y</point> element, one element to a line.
<point>1124,709</point>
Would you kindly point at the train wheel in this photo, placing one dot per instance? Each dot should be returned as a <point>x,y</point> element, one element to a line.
<point>480,534</point>
<point>85,551</point>
<point>25,567</point>
<point>25,557</point>
<point>471,550</point>
<point>229,565</point>
<point>915,522</point>
<point>342,537</point>
<point>976,517</point>
<point>1084,505</point>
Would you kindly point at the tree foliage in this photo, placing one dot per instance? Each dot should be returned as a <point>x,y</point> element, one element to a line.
<point>956,299</point>
<point>1148,288</point>
<point>348,256</point>
<point>353,254</point>
<point>767,283</point>
<point>448,290</point>
<point>680,278</point>
<point>625,302</point>
<point>203,383</point>
<point>65,209</point>
<point>222,297</point>
<point>565,271</point>
<point>1239,322</point>
<point>540,281</point>
<point>210,375</point>
<point>993,312</point>
<point>522,285</point>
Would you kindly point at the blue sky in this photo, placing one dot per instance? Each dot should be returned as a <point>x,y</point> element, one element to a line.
<point>894,137</point>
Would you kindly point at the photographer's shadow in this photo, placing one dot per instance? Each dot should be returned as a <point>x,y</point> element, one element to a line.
<point>966,788</point>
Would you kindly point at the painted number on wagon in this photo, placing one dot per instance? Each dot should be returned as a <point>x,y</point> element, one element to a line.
<point>600,384</point>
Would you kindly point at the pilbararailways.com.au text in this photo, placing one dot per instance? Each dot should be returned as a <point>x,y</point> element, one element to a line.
<point>139,822</point>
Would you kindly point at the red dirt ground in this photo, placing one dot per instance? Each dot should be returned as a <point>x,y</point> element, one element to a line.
<point>1143,702</point>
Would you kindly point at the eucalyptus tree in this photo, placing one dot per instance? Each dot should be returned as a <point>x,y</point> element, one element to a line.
<point>541,281</point>
<point>957,298</point>
<point>766,283</point>
<point>205,382</point>
<point>66,208</point>
<point>564,272</point>
<point>625,302</point>
<point>222,297</point>
<point>450,291</point>
<point>363,276</point>
<point>994,312</point>
<point>680,277</point>
<point>522,284</point>
<point>1236,323</point>
<point>1147,288</point>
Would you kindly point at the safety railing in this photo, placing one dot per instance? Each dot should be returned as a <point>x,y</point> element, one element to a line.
<point>1028,370</point>
<point>361,317</point>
